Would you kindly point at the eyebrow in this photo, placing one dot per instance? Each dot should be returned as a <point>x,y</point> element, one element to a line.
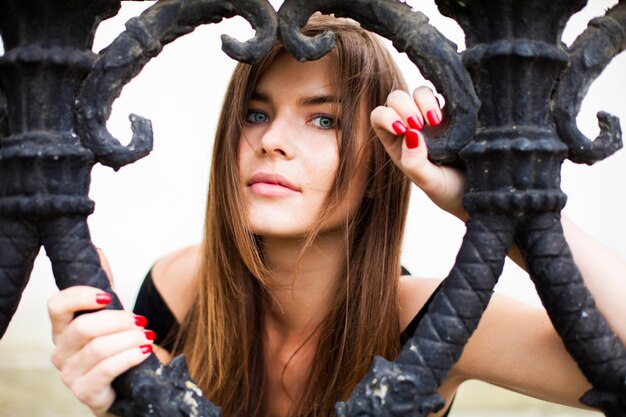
<point>304,101</point>
<point>316,100</point>
<point>256,96</point>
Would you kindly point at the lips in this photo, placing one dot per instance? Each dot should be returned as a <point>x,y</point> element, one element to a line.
<point>271,184</point>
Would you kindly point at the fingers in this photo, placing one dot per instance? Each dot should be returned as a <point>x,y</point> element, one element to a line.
<point>407,150</point>
<point>123,345</point>
<point>428,105</point>
<point>65,304</point>
<point>404,112</point>
<point>406,108</point>
<point>94,348</point>
<point>404,116</point>
<point>396,126</point>
<point>88,327</point>
<point>388,125</point>
<point>93,388</point>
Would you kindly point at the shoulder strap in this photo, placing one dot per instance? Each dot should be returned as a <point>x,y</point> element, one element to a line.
<point>150,304</point>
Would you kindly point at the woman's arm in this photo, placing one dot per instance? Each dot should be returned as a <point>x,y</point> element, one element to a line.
<point>548,372</point>
<point>514,346</point>
<point>602,270</point>
<point>604,274</point>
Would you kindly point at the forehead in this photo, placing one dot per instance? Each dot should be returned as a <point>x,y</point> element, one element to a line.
<point>288,75</point>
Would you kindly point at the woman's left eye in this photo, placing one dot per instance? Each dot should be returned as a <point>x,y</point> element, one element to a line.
<point>324,122</point>
<point>256,116</point>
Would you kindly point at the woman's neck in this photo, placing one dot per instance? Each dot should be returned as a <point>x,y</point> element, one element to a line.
<point>307,282</point>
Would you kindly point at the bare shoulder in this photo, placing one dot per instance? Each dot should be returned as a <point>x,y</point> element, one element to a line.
<point>413,292</point>
<point>174,277</point>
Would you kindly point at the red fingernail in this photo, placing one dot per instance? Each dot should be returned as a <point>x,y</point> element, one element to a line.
<point>150,335</point>
<point>415,122</point>
<point>399,127</point>
<point>104,298</point>
<point>141,321</point>
<point>433,118</point>
<point>412,139</point>
<point>145,349</point>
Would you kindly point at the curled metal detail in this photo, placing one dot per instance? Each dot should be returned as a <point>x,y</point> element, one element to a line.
<point>512,163</point>
<point>589,55</point>
<point>152,389</point>
<point>511,139</point>
<point>410,32</point>
<point>47,151</point>
<point>144,39</point>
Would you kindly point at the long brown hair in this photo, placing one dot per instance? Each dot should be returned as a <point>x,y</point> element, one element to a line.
<point>222,335</point>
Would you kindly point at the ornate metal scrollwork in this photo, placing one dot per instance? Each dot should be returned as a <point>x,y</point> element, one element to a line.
<point>45,160</point>
<point>512,165</point>
<point>511,139</point>
<point>589,55</point>
<point>434,54</point>
<point>144,39</point>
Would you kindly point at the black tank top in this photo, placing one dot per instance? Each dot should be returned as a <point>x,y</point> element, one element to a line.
<point>151,305</point>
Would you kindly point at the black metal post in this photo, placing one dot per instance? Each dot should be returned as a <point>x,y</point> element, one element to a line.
<point>47,150</point>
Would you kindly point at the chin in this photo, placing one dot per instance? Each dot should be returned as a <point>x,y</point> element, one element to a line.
<point>278,225</point>
<point>280,219</point>
<point>280,233</point>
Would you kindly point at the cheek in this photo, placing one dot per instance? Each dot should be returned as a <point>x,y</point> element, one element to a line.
<point>350,201</point>
<point>244,152</point>
<point>322,168</point>
<point>354,195</point>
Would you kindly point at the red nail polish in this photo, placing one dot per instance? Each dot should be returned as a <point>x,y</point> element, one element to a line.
<point>141,321</point>
<point>412,139</point>
<point>150,335</point>
<point>104,298</point>
<point>415,122</point>
<point>433,118</point>
<point>145,349</point>
<point>399,127</point>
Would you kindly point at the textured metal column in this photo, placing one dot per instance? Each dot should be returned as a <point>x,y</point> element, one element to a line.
<point>528,88</point>
<point>48,147</point>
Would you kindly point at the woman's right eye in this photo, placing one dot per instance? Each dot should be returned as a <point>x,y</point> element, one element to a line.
<point>256,116</point>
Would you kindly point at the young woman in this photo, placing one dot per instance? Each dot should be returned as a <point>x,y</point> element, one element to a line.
<point>298,283</point>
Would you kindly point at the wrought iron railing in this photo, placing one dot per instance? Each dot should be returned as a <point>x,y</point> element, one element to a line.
<point>58,95</point>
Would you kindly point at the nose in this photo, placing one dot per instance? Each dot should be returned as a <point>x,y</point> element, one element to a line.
<point>276,141</point>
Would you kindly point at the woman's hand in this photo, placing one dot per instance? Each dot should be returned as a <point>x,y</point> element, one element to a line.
<point>403,118</point>
<point>94,348</point>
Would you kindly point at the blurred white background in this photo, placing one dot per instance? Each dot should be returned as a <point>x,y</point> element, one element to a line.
<point>156,205</point>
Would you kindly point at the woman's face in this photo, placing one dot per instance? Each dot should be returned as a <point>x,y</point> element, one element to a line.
<point>288,152</point>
